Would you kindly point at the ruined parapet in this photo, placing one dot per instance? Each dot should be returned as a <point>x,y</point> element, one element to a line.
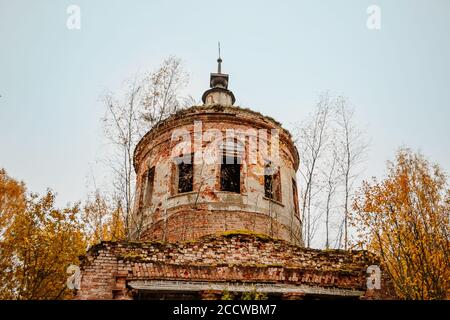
<point>231,262</point>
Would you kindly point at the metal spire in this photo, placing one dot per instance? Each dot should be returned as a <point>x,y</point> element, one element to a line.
<point>219,62</point>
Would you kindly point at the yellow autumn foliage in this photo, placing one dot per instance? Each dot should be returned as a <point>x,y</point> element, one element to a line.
<point>39,241</point>
<point>405,220</point>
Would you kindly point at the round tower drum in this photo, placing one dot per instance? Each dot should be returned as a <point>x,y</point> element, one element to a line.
<point>214,169</point>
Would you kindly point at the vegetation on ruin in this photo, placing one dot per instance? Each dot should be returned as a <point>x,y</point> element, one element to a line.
<point>260,236</point>
<point>248,295</point>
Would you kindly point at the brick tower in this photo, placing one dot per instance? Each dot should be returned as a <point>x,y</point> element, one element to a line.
<point>216,168</point>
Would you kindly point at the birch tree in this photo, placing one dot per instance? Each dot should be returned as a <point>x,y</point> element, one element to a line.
<point>352,148</point>
<point>311,139</point>
<point>146,101</point>
<point>332,180</point>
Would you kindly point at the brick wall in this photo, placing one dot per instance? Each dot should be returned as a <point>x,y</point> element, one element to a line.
<point>193,224</point>
<point>236,257</point>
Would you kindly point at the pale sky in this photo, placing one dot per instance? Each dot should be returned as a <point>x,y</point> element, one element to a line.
<point>280,56</point>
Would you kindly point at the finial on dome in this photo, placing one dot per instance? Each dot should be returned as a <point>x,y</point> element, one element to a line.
<point>219,93</point>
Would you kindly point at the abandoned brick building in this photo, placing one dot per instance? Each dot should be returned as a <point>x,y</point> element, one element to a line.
<point>204,227</point>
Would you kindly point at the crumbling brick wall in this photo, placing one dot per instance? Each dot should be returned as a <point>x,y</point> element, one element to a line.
<point>232,256</point>
<point>192,224</point>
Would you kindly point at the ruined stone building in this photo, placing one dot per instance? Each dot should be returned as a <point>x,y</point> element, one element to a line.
<point>217,212</point>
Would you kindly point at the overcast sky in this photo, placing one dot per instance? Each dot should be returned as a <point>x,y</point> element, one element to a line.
<point>280,56</point>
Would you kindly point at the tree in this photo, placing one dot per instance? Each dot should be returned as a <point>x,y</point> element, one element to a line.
<point>37,244</point>
<point>102,222</point>
<point>331,183</point>
<point>311,140</point>
<point>331,148</point>
<point>351,150</point>
<point>162,91</point>
<point>123,129</point>
<point>12,201</point>
<point>405,220</point>
<point>147,100</point>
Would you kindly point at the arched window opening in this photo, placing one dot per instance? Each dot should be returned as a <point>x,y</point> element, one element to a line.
<point>295,197</point>
<point>230,168</point>
<point>148,187</point>
<point>185,173</point>
<point>272,182</point>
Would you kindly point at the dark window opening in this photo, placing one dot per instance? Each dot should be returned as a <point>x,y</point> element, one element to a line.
<point>295,193</point>
<point>186,173</point>
<point>230,174</point>
<point>272,182</point>
<point>148,189</point>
